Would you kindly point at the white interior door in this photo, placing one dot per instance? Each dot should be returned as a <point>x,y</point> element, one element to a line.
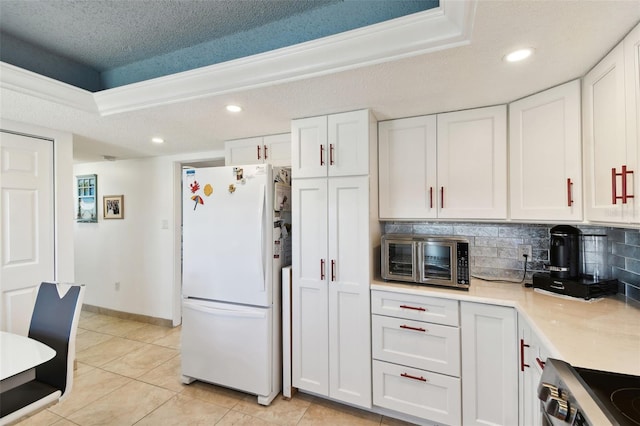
<point>27,250</point>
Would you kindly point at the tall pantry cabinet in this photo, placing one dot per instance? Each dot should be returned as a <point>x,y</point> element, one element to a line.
<point>335,226</point>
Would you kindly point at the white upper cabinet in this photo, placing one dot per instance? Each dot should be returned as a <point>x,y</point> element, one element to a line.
<point>610,128</point>
<point>407,168</point>
<point>277,150</point>
<point>632,88</point>
<point>545,155</point>
<point>472,164</point>
<point>449,166</point>
<point>273,149</point>
<point>333,145</point>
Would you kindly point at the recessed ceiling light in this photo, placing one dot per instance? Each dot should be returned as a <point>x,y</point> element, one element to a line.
<point>157,140</point>
<point>234,108</point>
<point>518,55</point>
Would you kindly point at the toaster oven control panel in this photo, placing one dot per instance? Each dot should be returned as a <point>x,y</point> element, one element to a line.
<point>463,263</point>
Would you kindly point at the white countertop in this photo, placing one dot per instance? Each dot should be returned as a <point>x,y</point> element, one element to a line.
<point>603,334</point>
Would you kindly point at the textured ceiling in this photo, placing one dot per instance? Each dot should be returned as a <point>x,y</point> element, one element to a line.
<point>569,36</point>
<point>101,44</point>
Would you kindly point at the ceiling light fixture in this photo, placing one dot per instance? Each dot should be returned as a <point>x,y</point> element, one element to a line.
<point>518,55</point>
<point>234,108</point>
<point>157,140</point>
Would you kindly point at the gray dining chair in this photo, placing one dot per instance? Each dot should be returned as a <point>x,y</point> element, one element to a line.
<point>54,322</point>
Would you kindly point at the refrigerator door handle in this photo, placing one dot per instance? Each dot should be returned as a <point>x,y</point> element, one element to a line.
<point>262,228</point>
<point>225,312</point>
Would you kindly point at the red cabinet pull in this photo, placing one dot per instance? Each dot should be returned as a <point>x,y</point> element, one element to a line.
<point>258,146</point>
<point>322,269</point>
<point>522,346</point>
<point>540,362</point>
<point>333,270</point>
<point>431,197</point>
<point>614,185</point>
<point>569,192</point>
<point>614,195</point>
<point>408,376</point>
<point>321,155</point>
<point>330,154</point>
<point>265,152</point>
<point>413,307</point>
<point>625,172</point>
<point>406,327</point>
<point>442,197</point>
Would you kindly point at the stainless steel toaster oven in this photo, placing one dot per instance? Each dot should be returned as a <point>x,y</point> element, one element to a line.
<point>428,260</point>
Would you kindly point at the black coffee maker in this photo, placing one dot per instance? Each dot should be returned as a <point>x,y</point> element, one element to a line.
<point>564,252</point>
<point>564,276</point>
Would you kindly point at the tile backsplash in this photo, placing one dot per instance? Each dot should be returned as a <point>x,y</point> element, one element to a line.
<point>494,249</point>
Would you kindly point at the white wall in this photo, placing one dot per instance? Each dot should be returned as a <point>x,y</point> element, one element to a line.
<point>135,251</point>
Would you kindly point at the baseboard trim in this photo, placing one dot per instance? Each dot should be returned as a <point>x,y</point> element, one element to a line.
<point>128,316</point>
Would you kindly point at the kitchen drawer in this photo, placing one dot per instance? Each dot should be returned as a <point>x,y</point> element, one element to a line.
<point>422,345</point>
<point>420,393</point>
<point>414,307</point>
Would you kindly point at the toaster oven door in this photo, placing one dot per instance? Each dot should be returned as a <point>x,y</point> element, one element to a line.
<point>399,260</point>
<point>437,263</point>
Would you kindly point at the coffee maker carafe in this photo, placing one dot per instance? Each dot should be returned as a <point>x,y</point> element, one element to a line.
<point>564,252</point>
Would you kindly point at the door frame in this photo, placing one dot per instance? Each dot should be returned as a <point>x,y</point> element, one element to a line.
<point>210,160</point>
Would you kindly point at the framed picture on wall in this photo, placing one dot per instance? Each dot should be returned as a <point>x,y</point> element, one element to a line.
<point>113,206</point>
<point>87,198</point>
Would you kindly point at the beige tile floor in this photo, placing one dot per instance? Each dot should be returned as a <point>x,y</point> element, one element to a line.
<point>128,373</point>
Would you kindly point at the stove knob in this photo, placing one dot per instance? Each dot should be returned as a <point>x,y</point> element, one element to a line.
<point>557,408</point>
<point>546,390</point>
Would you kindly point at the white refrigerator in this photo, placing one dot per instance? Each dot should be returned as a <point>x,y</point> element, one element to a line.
<point>236,226</point>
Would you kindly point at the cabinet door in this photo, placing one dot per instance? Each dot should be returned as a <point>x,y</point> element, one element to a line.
<point>407,168</point>
<point>526,401</point>
<point>604,136</point>
<point>489,364</point>
<point>243,151</point>
<point>531,358</point>
<point>348,138</point>
<point>309,150</point>
<point>632,89</point>
<point>349,302</point>
<point>472,164</point>
<point>277,149</point>
<point>310,356</point>
<point>546,156</point>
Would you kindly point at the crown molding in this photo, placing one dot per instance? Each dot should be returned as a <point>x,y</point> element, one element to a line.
<point>446,26</point>
<point>30,83</point>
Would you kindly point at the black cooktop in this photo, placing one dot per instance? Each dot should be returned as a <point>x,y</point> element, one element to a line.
<point>618,394</point>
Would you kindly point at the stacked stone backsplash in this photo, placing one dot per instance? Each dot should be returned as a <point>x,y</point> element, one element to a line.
<point>494,249</point>
<point>624,258</point>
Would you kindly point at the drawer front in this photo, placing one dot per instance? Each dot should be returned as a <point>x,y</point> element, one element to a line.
<point>414,307</point>
<point>420,393</point>
<point>421,345</point>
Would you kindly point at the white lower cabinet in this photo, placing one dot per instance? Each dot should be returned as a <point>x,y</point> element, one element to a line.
<point>416,364</point>
<point>533,355</point>
<point>420,393</point>
<point>489,364</point>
